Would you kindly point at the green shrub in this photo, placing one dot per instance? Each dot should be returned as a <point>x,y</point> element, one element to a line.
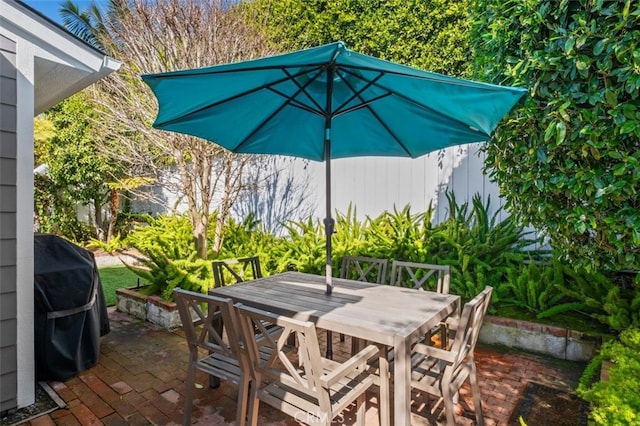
<point>617,400</point>
<point>248,238</point>
<point>532,286</point>
<point>168,258</point>
<point>163,275</point>
<point>615,304</point>
<point>115,244</point>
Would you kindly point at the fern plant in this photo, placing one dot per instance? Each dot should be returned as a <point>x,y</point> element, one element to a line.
<point>162,274</point>
<point>533,286</point>
<point>167,257</point>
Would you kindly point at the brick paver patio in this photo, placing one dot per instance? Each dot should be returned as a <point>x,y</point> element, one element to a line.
<point>139,380</point>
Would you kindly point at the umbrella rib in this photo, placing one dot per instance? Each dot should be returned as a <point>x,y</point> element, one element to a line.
<point>288,100</point>
<point>412,101</point>
<point>288,76</point>
<point>303,89</point>
<point>358,93</point>
<point>366,104</point>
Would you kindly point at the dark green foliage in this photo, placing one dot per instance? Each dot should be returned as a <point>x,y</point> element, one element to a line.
<point>533,287</point>
<point>428,34</point>
<point>479,248</point>
<point>617,400</point>
<point>568,160</point>
<point>77,170</point>
<point>613,304</point>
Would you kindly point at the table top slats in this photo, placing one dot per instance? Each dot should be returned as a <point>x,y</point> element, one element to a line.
<point>368,311</point>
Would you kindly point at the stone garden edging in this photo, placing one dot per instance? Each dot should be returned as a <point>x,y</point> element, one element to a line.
<point>148,308</point>
<point>557,342</point>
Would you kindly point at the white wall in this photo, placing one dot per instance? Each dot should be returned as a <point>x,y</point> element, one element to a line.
<point>376,184</point>
<point>372,185</point>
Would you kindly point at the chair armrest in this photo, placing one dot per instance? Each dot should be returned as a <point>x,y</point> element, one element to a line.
<point>358,360</point>
<point>451,322</point>
<point>434,352</point>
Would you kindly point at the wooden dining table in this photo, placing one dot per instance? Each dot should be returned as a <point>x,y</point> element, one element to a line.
<point>389,316</point>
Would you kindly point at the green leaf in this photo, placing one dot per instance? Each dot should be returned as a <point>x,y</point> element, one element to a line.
<point>561,132</point>
<point>568,44</point>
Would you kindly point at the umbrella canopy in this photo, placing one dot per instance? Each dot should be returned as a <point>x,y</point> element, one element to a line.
<point>328,102</point>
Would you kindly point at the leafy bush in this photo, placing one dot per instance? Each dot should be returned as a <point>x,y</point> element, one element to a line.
<point>169,233</point>
<point>168,257</point>
<point>246,239</point>
<point>163,274</point>
<point>617,400</point>
<point>115,244</point>
<point>533,286</point>
<point>613,303</point>
<point>567,161</point>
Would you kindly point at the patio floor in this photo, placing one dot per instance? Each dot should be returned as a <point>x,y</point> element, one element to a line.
<point>139,380</point>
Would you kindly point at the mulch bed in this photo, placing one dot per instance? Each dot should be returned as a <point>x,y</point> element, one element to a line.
<point>544,405</point>
<point>46,401</point>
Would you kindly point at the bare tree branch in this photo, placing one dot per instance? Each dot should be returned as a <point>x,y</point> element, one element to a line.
<point>165,35</point>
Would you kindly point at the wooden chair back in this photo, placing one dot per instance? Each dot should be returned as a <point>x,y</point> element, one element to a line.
<point>468,329</point>
<point>308,387</point>
<point>367,269</point>
<point>203,318</point>
<point>200,315</point>
<point>304,375</point>
<point>422,276</point>
<point>231,271</point>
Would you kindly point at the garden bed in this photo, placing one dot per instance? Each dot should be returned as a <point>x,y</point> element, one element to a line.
<point>134,302</point>
<point>558,342</point>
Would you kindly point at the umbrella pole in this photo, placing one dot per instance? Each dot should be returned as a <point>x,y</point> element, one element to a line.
<point>328,220</point>
<point>328,229</point>
<point>329,224</point>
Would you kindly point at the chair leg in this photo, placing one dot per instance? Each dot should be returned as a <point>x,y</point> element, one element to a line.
<point>188,392</point>
<point>475,391</point>
<point>361,410</point>
<point>449,407</point>
<point>254,405</point>
<point>243,396</point>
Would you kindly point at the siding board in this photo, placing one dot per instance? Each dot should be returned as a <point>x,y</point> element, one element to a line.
<point>8,205</point>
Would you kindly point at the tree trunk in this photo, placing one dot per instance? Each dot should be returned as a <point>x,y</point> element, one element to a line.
<point>200,235</point>
<point>97,213</point>
<point>114,208</point>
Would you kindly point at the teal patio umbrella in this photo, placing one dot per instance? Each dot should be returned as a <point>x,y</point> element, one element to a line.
<point>328,102</point>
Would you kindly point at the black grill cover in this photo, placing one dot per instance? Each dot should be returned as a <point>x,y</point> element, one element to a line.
<point>70,311</point>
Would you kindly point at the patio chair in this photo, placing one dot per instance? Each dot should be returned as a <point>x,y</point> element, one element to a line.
<point>238,270</point>
<point>441,372</point>
<point>224,359</point>
<point>314,389</point>
<point>366,269</point>
<point>423,276</point>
